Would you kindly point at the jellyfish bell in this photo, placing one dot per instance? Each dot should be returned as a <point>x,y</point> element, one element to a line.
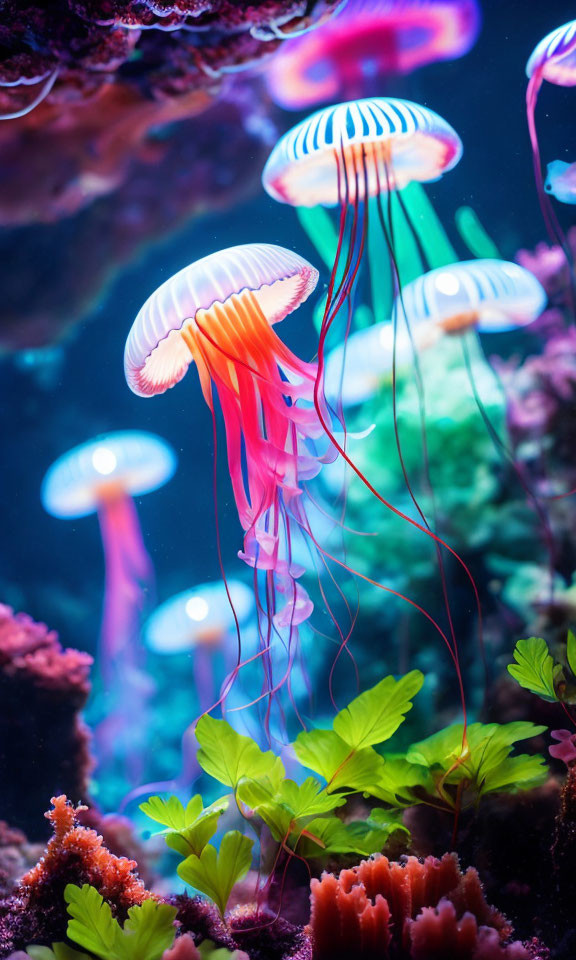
<point>553,60</point>
<point>491,296</point>
<point>359,149</point>
<point>203,616</point>
<point>219,313</point>
<point>365,40</point>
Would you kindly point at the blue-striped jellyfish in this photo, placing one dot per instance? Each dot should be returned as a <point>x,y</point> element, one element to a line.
<point>554,60</point>
<point>103,476</point>
<point>219,313</point>
<point>365,41</point>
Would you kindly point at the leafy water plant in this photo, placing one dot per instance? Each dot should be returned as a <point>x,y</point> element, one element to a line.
<point>310,818</point>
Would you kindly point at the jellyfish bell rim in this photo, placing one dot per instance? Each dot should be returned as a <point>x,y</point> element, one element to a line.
<point>156,357</point>
<point>559,69</point>
<point>184,631</point>
<point>302,169</point>
<point>74,487</point>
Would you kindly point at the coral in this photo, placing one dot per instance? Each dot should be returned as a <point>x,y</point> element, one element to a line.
<point>36,912</point>
<point>42,689</point>
<point>16,856</point>
<point>184,949</point>
<point>411,909</point>
<point>61,51</point>
<point>173,173</point>
<point>201,919</point>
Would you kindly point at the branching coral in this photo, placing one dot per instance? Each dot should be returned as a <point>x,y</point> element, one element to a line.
<point>42,689</point>
<point>36,913</point>
<point>411,909</point>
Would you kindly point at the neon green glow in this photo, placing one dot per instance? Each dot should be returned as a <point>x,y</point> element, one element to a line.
<point>474,235</point>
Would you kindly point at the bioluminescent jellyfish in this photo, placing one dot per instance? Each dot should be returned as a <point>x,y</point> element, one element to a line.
<point>368,40</point>
<point>490,296</point>
<point>554,60</point>
<point>200,623</point>
<point>561,181</point>
<point>103,476</point>
<point>219,313</point>
<point>360,157</point>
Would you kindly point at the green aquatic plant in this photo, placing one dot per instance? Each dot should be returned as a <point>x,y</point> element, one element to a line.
<point>309,817</point>
<point>536,670</point>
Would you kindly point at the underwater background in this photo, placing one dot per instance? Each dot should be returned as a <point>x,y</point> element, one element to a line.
<point>94,217</point>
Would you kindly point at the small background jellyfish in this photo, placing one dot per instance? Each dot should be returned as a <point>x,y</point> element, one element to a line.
<point>219,313</point>
<point>103,476</point>
<point>554,60</point>
<point>367,40</point>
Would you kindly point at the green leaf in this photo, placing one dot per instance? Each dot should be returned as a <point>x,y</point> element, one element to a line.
<point>377,713</point>
<point>59,951</point>
<point>322,837</point>
<point>208,951</point>
<point>187,830</point>
<point>523,772</point>
<point>287,808</point>
<point>571,651</point>
<point>92,925</point>
<point>147,933</point>
<point>342,767</point>
<point>214,873</point>
<point>402,783</point>
<point>228,756</point>
<point>534,667</point>
<point>371,835</point>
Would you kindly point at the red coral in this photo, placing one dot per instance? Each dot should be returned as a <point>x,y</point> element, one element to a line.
<point>409,911</point>
<point>36,913</point>
<point>43,742</point>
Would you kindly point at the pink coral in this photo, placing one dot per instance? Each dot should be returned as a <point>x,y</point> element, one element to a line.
<point>565,750</point>
<point>410,911</point>
<point>42,689</point>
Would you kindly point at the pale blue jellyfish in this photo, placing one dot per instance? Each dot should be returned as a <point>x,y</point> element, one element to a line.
<point>103,476</point>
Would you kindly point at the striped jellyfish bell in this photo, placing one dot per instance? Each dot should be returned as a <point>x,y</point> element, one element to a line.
<point>554,58</point>
<point>494,296</point>
<point>362,146</point>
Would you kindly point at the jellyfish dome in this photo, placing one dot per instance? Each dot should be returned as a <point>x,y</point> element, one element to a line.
<point>203,616</point>
<point>492,296</point>
<point>132,462</point>
<point>366,40</point>
<point>381,143</point>
<point>554,58</point>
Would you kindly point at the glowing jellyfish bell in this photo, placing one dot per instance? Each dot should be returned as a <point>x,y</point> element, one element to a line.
<point>102,476</point>
<point>491,296</point>
<point>366,40</point>
<point>355,371</point>
<point>554,60</point>
<point>351,151</point>
<point>219,313</point>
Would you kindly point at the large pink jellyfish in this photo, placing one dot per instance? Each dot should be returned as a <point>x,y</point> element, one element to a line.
<point>554,60</point>
<point>102,476</point>
<point>366,40</point>
<point>219,312</point>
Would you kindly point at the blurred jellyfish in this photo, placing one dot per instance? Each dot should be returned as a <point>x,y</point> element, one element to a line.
<point>200,623</point>
<point>368,40</point>
<point>554,60</point>
<point>219,312</point>
<point>103,476</point>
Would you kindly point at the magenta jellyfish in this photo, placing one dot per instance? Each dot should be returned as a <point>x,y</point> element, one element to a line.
<point>554,60</point>
<point>365,41</point>
<point>220,313</point>
<point>103,476</point>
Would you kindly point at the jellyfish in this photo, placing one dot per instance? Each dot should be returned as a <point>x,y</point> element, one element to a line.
<point>200,623</point>
<point>554,60</point>
<point>103,476</point>
<point>220,312</point>
<point>360,157</point>
<point>366,40</point>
